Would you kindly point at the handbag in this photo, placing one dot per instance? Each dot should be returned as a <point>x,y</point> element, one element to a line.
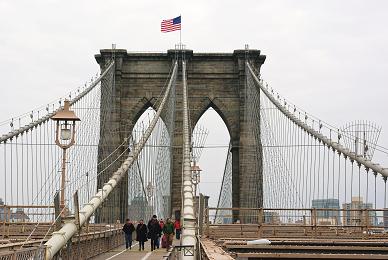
<point>164,241</point>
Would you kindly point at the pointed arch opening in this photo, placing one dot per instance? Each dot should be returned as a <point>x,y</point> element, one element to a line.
<point>213,153</point>
<point>149,177</point>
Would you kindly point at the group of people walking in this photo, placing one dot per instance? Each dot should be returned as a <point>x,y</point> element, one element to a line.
<point>159,232</point>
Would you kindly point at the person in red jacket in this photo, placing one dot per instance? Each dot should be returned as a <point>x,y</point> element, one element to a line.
<point>177,227</point>
<point>161,223</point>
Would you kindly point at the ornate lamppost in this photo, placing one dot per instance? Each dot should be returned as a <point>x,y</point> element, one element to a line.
<point>65,138</point>
<point>150,191</point>
<point>195,176</point>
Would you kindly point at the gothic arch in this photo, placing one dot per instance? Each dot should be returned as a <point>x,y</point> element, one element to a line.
<point>219,107</point>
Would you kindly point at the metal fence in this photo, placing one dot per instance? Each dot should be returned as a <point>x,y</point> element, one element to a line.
<point>278,222</point>
<point>89,244</point>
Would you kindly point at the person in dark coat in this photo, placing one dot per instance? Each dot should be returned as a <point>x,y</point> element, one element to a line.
<point>154,232</point>
<point>128,229</point>
<point>141,234</point>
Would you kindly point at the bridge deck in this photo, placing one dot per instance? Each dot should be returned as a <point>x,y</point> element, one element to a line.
<point>121,253</point>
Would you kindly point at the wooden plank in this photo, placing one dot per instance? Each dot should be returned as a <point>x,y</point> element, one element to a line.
<point>214,252</point>
<point>307,256</point>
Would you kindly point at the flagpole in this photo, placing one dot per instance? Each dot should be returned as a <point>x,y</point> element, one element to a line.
<point>180,32</point>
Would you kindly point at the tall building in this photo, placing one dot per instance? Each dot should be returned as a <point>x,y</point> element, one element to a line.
<point>385,218</point>
<point>139,209</point>
<point>354,213</point>
<point>19,216</point>
<point>5,212</point>
<point>271,217</point>
<point>331,217</point>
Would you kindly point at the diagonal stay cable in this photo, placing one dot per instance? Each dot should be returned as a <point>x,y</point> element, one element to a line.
<point>45,118</point>
<point>60,238</point>
<point>325,140</point>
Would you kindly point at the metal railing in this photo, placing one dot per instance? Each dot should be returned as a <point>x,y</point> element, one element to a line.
<point>25,253</point>
<point>89,244</point>
<point>300,222</point>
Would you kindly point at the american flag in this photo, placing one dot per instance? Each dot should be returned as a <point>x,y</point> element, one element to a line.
<point>171,25</point>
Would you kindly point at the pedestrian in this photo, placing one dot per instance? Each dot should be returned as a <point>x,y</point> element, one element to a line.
<point>161,223</point>
<point>168,231</point>
<point>160,239</point>
<point>177,226</point>
<point>154,232</point>
<point>128,229</point>
<point>141,234</point>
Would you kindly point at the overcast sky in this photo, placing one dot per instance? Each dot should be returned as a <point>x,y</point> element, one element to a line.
<point>328,57</point>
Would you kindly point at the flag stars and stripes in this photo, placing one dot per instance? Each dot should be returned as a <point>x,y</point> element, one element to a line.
<point>171,25</point>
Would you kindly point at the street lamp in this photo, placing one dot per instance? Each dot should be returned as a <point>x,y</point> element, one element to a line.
<point>65,138</point>
<point>195,176</point>
<point>150,191</point>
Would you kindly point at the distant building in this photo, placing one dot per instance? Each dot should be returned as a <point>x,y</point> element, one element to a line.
<point>385,218</point>
<point>271,217</point>
<point>139,209</point>
<point>327,217</point>
<point>19,216</point>
<point>8,216</point>
<point>354,213</point>
<point>5,212</point>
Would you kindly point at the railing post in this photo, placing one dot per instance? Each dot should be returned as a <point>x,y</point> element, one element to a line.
<point>57,212</point>
<point>200,214</point>
<point>313,220</point>
<point>367,223</point>
<point>260,221</point>
<point>207,219</point>
<point>261,214</point>
<point>4,220</point>
<point>9,220</point>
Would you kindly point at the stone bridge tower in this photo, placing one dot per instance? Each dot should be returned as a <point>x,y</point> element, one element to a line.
<point>214,80</point>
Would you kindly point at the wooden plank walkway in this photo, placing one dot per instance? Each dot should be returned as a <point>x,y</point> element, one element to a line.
<point>121,253</point>
<point>213,251</point>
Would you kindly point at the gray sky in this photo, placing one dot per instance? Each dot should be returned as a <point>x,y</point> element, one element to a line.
<point>328,57</point>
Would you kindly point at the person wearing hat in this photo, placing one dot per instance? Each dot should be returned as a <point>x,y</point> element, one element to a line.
<point>154,232</point>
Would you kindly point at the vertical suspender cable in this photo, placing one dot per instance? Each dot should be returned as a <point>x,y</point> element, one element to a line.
<point>60,238</point>
<point>345,183</point>
<point>359,182</point>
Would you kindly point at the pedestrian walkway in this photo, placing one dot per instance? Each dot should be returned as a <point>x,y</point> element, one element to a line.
<point>121,253</point>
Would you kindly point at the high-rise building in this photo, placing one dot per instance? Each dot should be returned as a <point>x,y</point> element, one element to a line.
<point>271,217</point>
<point>19,216</point>
<point>5,212</point>
<point>331,217</point>
<point>385,218</point>
<point>354,213</point>
<point>139,209</point>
